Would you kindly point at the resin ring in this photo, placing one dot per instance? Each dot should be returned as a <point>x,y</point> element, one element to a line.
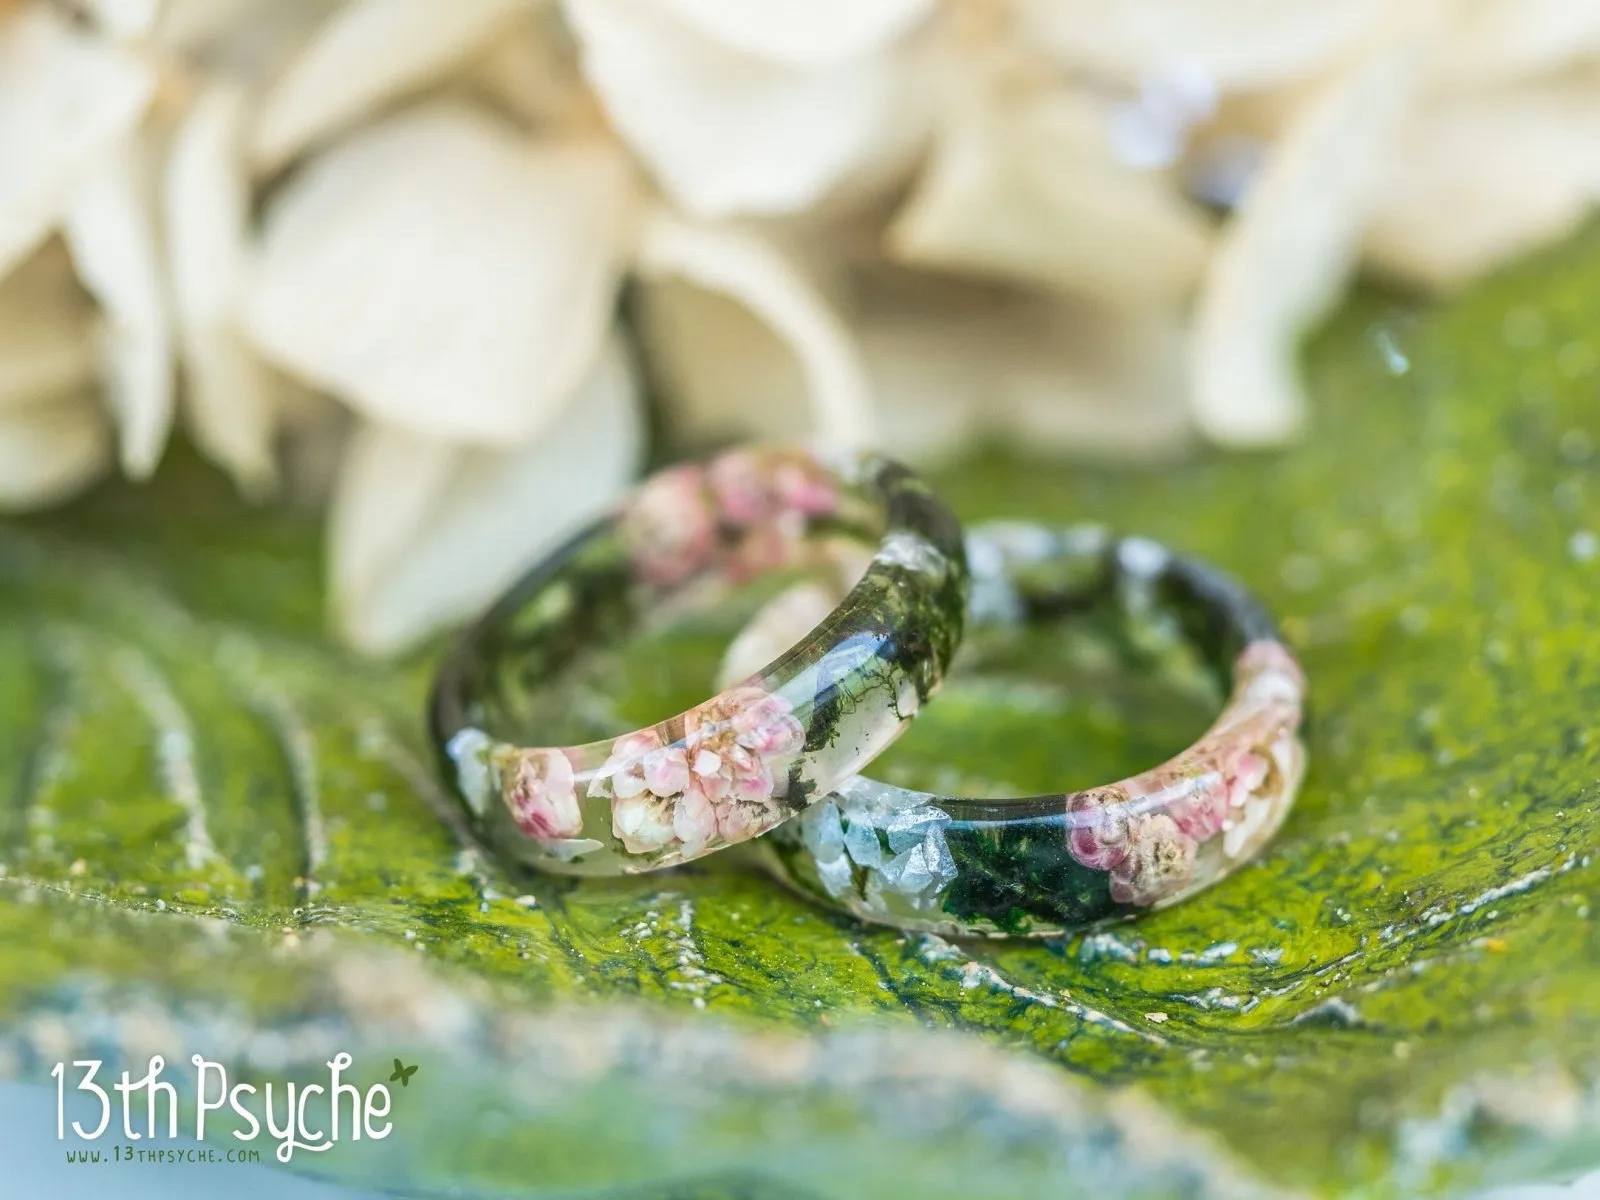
<point>1050,864</point>
<point>752,756</point>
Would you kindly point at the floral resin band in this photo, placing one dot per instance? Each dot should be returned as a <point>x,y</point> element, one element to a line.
<point>1049,864</point>
<point>752,756</point>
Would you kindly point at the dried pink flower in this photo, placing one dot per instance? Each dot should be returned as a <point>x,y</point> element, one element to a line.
<point>1148,856</point>
<point>542,795</point>
<point>718,781</point>
<point>743,496</point>
<point>802,487</point>
<point>1098,833</point>
<point>670,528</point>
<point>1158,863</point>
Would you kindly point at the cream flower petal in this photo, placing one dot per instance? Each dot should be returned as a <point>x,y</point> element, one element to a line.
<point>1483,178</point>
<point>947,364</point>
<point>124,18</point>
<point>65,98</point>
<point>1287,252</point>
<point>442,275</point>
<point>370,52</point>
<point>1030,192</point>
<point>722,373</point>
<point>46,330</point>
<point>424,534</point>
<point>229,398</point>
<point>1501,41</point>
<point>248,41</point>
<point>953,368</point>
<point>187,24</point>
<point>532,73</point>
<point>799,32</point>
<point>50,450</point>
<point>726,133</point>
<point>744,267</point>
<point>111,230</point>
<point>1240,44</point>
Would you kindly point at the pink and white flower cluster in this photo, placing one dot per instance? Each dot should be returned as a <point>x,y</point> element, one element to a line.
<point>1236,782</point>
<point>749,506</point>
<point>720,781</point>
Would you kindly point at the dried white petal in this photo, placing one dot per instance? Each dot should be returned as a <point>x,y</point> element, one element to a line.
<point>958,365</point>
<point>111,230</point>
<point>530,70</point>
<point>189,24</point>
<point>50,450</point>
<point>424,534</point>
<point>800,32</point>
<point>753,271</point>
<point>247,41</point>
<point>1502,41</point>
<point>229,400</point>
<point>1241,44</point>
<point>46,330</point>
<point>1032,193</point>
<point>369,53</point>
<point>947,364</point>
<point>442,275</point>
<point>1286,254</point>
<point>124,18</point>
<point>722,373</point>
<point>726,132</point>
<point>65,99</point>
<point>1483,178</point>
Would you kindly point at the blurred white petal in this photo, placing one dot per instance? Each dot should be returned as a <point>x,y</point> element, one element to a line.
<point>370,52</point>
<point>247,41</point>
<point>65,99</point>
<point>443,275</point>
<point>111,230</point>
<point>1286,254</point>
<point>728,133</point>
<point>952,367</point>
<point>46,330</point>
<point>746,268</point>
<point>188,24</point>
<point>228,396</point>
<point>1501,41</point>
<point>949,364</point>
<point>124,18</point>
<point>722,373</point>
<point>424,534</point>
<point>799,32</point>
<point>1241,44</point>
<point>50,451</point>
<point>532,72</point>
<point>1031,192</point>
<point>1481,179</point>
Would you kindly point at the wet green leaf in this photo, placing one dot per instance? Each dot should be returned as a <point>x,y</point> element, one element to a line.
<point>1403,996</point>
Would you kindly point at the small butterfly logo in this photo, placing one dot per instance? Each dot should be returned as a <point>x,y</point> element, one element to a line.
<point>402,1073</point>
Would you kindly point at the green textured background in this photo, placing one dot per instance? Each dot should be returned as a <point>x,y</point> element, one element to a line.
<point>1403,998</point>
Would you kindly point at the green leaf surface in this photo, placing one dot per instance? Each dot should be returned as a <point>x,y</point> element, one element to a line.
<point>1402,998</point>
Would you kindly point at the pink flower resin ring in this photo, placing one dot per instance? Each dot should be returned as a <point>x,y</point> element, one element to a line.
<point>754,755</point>
<point>1051,864</point>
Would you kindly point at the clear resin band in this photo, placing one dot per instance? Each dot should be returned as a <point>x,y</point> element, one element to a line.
<point>760,751</point>
<point>1049,864</point>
